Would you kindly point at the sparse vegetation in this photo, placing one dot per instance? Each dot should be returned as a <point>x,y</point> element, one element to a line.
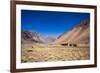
<point>43,53</point>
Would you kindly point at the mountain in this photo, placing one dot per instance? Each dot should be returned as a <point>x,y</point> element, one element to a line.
<point>36,37</point>
<point>79,34</point>
<point>32,36</point>
<point>50,39</point>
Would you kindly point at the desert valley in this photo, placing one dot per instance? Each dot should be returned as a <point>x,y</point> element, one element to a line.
<point>71,45</point>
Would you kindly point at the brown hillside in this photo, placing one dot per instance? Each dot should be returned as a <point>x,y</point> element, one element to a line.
<point>79,34</point>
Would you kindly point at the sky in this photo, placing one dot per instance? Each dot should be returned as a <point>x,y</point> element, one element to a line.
<point>51,23</point>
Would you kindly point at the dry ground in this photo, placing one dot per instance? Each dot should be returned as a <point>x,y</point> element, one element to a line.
<point>42,53</point>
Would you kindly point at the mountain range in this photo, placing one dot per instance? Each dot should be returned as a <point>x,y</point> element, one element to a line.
<point>35,37</point>
<point>79,34</point>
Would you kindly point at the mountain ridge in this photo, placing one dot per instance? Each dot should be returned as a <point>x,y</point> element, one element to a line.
<point>75,35</point>
<point>79,34</point>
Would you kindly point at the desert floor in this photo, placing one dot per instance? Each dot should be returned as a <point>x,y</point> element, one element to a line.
<point>43,53</point>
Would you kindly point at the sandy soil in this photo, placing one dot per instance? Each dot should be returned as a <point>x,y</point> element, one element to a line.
<point>42,53</point>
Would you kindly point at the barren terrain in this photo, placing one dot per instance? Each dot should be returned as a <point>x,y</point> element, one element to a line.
<point>41,53</point>
<point>70,45</point>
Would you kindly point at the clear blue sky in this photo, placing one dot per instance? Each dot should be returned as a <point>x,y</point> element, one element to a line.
<point>51,23</point>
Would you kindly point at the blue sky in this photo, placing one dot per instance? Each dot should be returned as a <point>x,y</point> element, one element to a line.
<point>51,23</point>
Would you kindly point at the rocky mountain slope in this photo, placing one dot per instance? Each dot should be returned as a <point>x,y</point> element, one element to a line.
<point>79,34</point>
<point>31,36</point>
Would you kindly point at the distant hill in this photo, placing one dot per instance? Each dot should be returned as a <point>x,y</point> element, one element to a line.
<point>79,34</point>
